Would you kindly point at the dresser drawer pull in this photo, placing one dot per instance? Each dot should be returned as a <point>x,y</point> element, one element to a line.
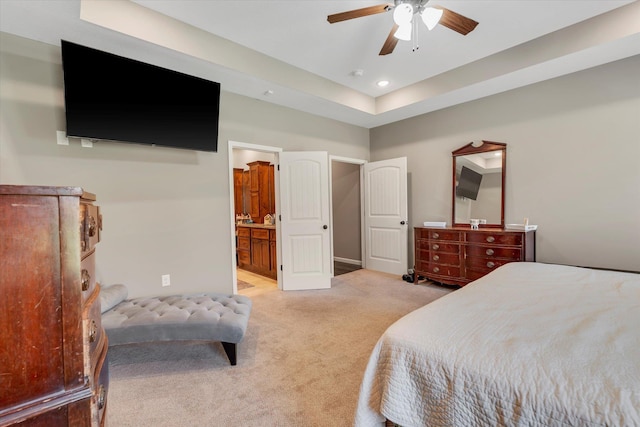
<point>491,239</point>
<point>435,247</point>
<point>491,264</point>
<point>489,252</point>
<point>93,331</point>
<point>436,257</point>
<point>85,280</point>
<point>436,269</point>
<point>102,394</point>
<point>436,236</point>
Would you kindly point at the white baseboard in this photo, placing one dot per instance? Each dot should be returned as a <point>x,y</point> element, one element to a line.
<point>348,261</point>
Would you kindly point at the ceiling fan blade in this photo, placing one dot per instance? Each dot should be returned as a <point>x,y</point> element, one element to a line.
<point>457,22</point>
<point>390,43</point>
<point>357,13</point>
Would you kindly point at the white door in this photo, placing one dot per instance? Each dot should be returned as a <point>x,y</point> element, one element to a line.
<point>385,215</point>
<point>305,218</point>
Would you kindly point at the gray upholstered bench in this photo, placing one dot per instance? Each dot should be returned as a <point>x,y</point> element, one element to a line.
<point>206,316</point>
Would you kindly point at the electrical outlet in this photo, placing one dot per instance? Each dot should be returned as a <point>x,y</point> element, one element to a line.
<point>166,280</point>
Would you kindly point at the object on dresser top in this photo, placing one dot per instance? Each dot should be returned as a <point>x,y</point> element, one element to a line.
<point>438,224</point>
<point>521,227</point>
<point>195,317</point>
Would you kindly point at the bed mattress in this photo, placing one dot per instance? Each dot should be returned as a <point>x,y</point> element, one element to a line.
<point>530,344</point>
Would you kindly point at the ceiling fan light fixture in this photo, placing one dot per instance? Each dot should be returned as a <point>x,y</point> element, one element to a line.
<point>404,32</point>
<point>403,14</point>
<point>431,16</point>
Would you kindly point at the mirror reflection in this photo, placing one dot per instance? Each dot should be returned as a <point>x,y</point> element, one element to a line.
<point>478,187</point>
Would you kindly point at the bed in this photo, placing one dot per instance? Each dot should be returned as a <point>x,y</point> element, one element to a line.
<point>530,344</point>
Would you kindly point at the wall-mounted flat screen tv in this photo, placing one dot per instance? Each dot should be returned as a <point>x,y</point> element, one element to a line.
<point>468,183</point>
<point>109,97</point>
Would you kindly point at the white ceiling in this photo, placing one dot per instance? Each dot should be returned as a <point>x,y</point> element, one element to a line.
<point>289,48</point>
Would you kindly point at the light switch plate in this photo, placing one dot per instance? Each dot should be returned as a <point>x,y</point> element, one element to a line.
<point>61,137</point>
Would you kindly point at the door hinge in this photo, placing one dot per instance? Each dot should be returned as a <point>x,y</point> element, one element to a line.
<point>279,217</point>
<point>280,267</point>
<point>278,167</point>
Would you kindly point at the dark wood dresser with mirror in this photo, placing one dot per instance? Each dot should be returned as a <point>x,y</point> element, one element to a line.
<point>459,254</point>
<point>53,367</point>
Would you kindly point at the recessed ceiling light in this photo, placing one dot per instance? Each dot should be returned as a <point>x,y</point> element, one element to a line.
<point>383,83</point>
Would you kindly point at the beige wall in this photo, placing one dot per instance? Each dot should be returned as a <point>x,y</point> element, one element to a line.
<point>573,161</point>
<point>166,211</point>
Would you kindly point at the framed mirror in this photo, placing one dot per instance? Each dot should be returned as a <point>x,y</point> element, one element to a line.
<point>479,171</point>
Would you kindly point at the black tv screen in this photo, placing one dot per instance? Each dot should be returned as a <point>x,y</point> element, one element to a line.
<point>115,98</point>
<point>468,183</point>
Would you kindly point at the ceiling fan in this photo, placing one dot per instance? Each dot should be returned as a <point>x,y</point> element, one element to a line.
<point>405,13</point>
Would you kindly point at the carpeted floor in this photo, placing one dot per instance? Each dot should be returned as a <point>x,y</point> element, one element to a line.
<point>300,364</point>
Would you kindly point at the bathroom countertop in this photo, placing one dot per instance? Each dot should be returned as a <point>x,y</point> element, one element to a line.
<point>256,225</point>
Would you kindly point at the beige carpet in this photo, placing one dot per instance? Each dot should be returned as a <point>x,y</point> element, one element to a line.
<point>300,363</point>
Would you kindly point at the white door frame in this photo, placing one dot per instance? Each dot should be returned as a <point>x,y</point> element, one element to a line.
<point>232,215</point>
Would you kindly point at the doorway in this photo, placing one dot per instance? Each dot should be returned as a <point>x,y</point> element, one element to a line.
<point>383,207</point>
<point>246,160</point>
<point>347,214</point>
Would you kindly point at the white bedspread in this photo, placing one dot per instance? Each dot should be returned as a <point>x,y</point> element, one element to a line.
<point>530,344</point>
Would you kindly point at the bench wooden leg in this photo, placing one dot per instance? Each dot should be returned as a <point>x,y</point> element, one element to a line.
<point>230,349</point>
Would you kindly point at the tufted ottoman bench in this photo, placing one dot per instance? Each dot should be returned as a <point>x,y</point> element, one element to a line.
<point>206,316</point>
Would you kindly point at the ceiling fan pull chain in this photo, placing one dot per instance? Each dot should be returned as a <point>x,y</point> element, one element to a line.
<point>416,43</point>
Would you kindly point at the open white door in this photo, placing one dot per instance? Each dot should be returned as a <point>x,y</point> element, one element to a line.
<point>304,221</point>
<point>385,215</point>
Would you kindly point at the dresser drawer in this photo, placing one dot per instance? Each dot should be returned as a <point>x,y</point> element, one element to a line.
<point>244,243</point>
<point>101,387</point>
<point>444,258</point>
<point>490,252</point>
<point>93,332</point>
<point>440,235</point>
<point>90,224</point>
<point>88,275</point>
<point>497,238</point>
<point>244,257</point>
<point>244,232</point>
<point>260,233</point>
<point>476,272</point>
<point>272,235</point>
<point>444,247</point>
<point>485,263</point>
<point>437,234</point>
<point>447,271</point>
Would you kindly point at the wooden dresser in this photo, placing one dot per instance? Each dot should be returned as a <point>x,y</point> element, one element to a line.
<point>53,368</point>
<point>458,256</point>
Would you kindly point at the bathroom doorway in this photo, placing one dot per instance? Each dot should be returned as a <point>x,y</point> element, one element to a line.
<point>254,204</point>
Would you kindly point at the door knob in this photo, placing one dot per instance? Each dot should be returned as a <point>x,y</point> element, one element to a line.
<point>401,222</point>
<point>325,227</point>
